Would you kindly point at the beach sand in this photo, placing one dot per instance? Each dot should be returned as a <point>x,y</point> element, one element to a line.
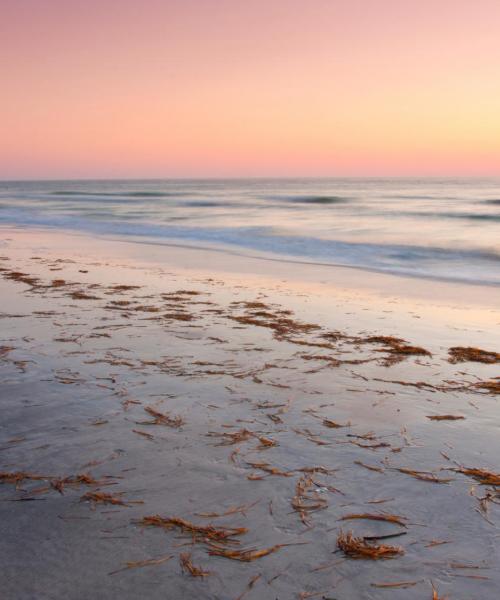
<point>277,402</point>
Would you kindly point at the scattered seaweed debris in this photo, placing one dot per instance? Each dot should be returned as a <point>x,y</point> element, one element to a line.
<point>4,350</point>
<point>75,481</point>
<point>384,340</point>
<point>275,418</point>
<point>185,293</point>
<point>250,585</point>
<point>57,283</point>
<point>445,417</point>
<point>118,304</point>
<point>17,477</point>
<point>423,475</point>
<point>312,437</point>
<point>396,349</point>
<point>251,305</point>
<point>267,468</point>
<point>307,500</point>
<point>188,567</point>
<point>317,469</point>
<point>162,418</point>
<point>235,437</point>
<point>124,288</point>
<point>357,547</point>
<point>249,554</point>
<point>435,595</point>
<point>332,361</point>
<point>98,497</point>
<point>482,475</point>
<point>471,354</point>
<point>143,563</point>
<point>128,401</point>
<point>491,387</point>
<point>21,277</point>
<point>376,517</point>
<point>178,316</point>
<point>334,425</point>
<point>266,443</point>
<point>309,494</point>
<point>145,308</point>
<point>372,446</point>
<point>491,495</point>
<point>233,455</point>
<point>201,533</point>
<point>148,436</point>
<point>283,327</point>
<point>369,467</point>
<point>79,295</point>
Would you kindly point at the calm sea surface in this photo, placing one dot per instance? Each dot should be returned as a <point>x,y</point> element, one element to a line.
<point>437,228</point>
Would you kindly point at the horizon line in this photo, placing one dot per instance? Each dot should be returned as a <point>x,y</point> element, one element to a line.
<point>243,177</point>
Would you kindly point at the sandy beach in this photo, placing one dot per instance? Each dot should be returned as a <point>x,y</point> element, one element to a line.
<point>186,423</point>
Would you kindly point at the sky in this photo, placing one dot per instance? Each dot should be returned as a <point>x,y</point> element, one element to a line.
<point>228,88</point>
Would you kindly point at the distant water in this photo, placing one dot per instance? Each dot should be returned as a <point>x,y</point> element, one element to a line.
<point>444,229</point>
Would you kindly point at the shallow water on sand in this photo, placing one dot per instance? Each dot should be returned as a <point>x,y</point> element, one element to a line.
<point>283,415</point>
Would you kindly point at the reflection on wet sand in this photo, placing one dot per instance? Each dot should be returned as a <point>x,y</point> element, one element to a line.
<point>231,442</point>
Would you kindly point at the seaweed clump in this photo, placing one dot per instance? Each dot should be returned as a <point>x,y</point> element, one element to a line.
<point>491,387</point>
<point>282,325</point>
<point>484,476</point>
<point>17,477</point>
<point>358,547</point>
<point>22,277</point>
<point>306,499</point>
<point>471,354</point>
<point>395,348</point>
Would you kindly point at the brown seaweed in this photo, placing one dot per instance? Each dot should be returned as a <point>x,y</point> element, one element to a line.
<point>376,517</point>
<point>188,567</point>
<point>471,354</point>
<point>484,476</point>
<point>445,417</point>
<point>229,439</point>
<point>143,563</point>
<point>245,555</point>
<point>17,477</point>
<point>203,532</point>
<point>357,547</point>
<point>423,475</point>
<point>307,500</point>
<point>103,498</point>
<point>80,295</point>
<point>161,418</point>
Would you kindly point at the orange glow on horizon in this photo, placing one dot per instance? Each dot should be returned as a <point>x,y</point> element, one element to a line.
<point>262,88</point>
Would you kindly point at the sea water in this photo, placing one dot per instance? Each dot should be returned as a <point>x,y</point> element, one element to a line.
<point>433,228</point>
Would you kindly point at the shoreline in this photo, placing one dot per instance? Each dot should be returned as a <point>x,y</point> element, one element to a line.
<point>412,305</point>
<point>357,277</point>
<point>243,253</point>
<point>210,390</point>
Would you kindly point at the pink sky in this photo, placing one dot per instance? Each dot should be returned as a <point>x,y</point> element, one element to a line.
<point>130,88</point>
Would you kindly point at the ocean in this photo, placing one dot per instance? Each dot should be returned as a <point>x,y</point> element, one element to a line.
<point>446,229</point>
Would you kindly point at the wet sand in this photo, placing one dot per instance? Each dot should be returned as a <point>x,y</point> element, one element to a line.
<point>181,423</point>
